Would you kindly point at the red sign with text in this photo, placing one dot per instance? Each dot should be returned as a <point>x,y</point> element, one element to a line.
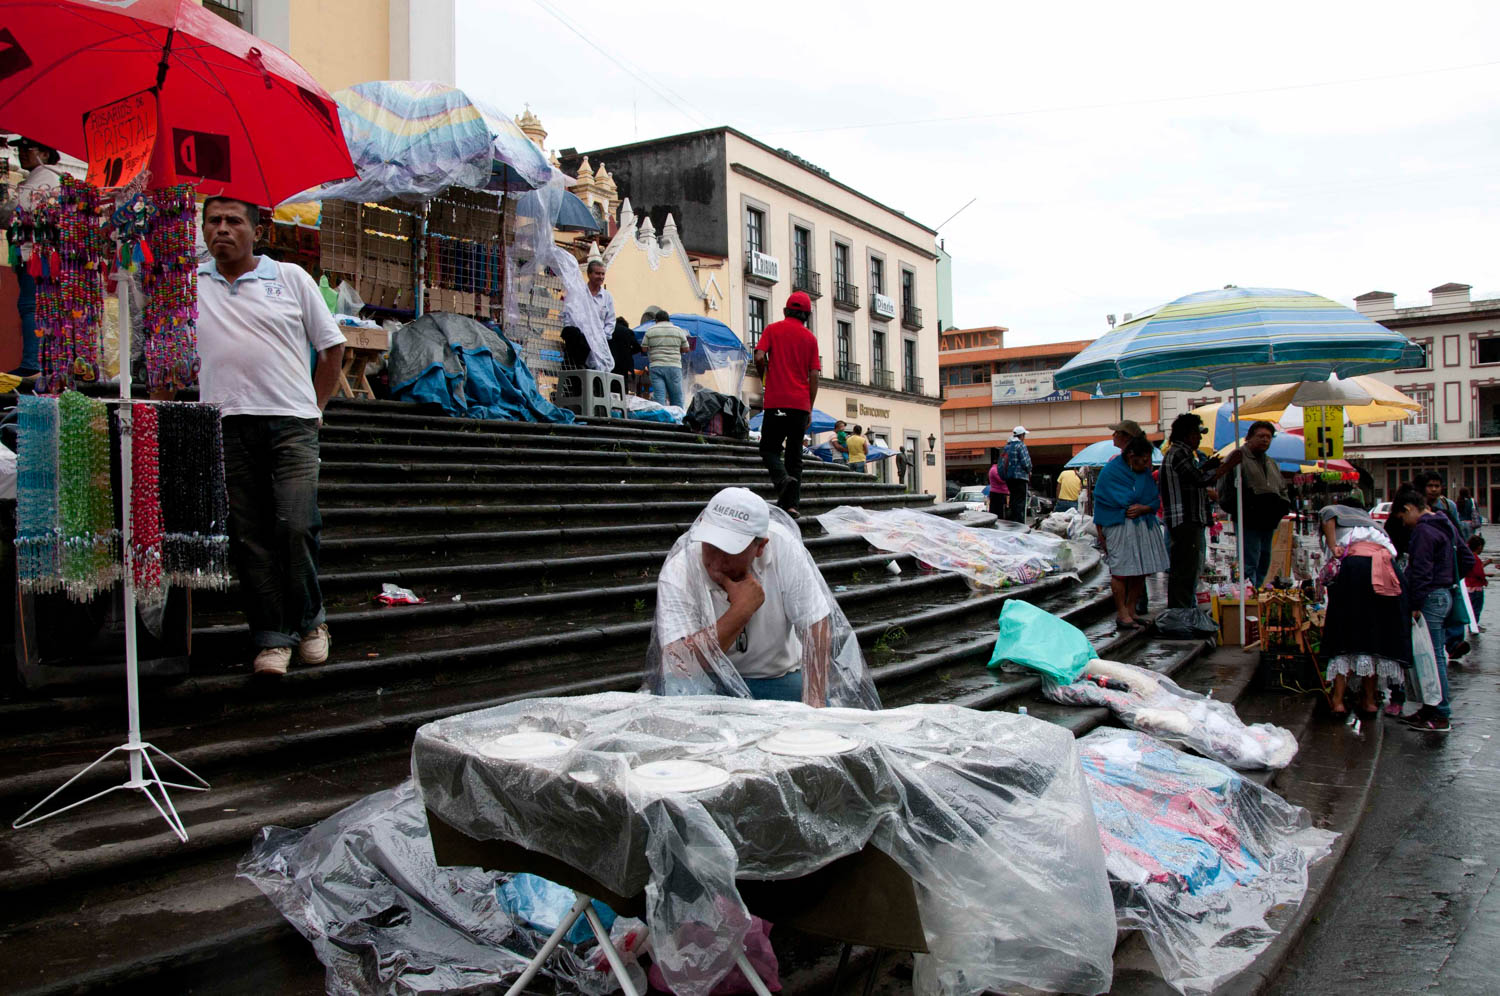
<point>120,138</point>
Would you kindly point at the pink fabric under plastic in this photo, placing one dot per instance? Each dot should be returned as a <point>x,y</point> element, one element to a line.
<point>760,955</point>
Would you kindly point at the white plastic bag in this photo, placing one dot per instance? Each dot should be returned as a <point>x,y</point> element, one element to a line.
<point>1424,665</point>
<point>1472,625</point>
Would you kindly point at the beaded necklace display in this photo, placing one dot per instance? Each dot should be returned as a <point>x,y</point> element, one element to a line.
<point>169,278</point>
<point>38,533</point>
<point>69,255</point>
<point>85,498</point>
<point>195,503</point>
<point>145,504</point>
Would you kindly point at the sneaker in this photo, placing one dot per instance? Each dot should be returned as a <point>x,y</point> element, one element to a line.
<point>1458,650</point>
<point>273,661</point>
<point>1394,709</point>
<point>1434,724</point>
<point>314,646</point>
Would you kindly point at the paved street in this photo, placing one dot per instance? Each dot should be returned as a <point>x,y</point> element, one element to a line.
<point>1415,906</point>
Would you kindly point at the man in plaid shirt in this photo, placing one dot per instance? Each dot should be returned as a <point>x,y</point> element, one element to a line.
<point>1186,490</point>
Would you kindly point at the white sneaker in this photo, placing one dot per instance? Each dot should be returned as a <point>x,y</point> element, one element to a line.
<point>273,660</point>
<point>314,648</point>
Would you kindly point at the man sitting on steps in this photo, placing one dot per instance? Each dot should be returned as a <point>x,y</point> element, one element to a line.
<point>742,610</point>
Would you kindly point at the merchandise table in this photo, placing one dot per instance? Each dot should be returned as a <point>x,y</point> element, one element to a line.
<point>969,833</point>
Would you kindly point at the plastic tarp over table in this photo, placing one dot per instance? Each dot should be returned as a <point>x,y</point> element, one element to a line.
<point>986,812</point>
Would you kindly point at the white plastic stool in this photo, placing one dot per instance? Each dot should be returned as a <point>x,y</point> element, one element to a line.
<point>592,393</point>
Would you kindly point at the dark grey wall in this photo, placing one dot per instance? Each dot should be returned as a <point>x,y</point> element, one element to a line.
<point>685,177</point>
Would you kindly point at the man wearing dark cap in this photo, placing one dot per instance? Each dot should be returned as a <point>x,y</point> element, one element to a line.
<point>42,180</point>
<point>786,357</point>
<point>1124,431</point>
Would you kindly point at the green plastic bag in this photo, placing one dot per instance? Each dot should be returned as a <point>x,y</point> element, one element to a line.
<point>1041,641</point>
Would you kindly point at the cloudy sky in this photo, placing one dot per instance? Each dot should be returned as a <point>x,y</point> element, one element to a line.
<point>1122,154</point>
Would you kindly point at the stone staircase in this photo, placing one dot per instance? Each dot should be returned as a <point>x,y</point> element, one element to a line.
<point>536,548</point>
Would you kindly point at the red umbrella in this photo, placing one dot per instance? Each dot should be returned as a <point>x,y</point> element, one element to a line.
<point>234,115</point>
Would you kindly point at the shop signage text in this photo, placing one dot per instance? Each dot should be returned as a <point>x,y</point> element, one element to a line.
<point>883,305</point>
<point>765,267</point>
<point>1024,388</point>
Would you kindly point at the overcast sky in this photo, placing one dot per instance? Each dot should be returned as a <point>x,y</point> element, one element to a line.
<point>1122,154</point>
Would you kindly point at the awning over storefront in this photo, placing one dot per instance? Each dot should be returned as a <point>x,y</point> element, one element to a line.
<point>1462,450</point>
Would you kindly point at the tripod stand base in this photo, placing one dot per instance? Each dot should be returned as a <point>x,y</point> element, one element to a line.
<point>138,756</point>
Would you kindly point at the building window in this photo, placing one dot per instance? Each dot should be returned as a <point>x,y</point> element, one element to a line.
<point>877,275</point>
<point>1426,346</point>
<point>844,347</point>
<point>801,249</point>
<point>908,362</point>
<point>877,353</point>
<point>840,265</point>
<point>908,290</point>
<point>236,12</point>
<point>1488,350</point>
<point>755,230</point>
<point>755,319</point>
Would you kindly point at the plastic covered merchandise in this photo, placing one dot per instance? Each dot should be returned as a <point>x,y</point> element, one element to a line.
<point>652,411</point>
<point>1153,703</point>
<point>986,811</point>
<point>684,657</point>
<point>468,368</point>
<point>1068,525</point>
<point>718,414</point>
<point>364,888</point>
<point>1197,854</point>
<point>534,255</point>
<point>990,558</point>
<point>1041,641</point>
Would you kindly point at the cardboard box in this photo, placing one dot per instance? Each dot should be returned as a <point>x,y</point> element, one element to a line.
<point>1228,613</point>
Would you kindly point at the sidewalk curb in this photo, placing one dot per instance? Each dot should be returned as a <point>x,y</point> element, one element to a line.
<point>1261,976</point>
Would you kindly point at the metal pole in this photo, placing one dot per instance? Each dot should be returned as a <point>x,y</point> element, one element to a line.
<point>127,582</point>
<point>1239,502</point>
<point>419,296</point>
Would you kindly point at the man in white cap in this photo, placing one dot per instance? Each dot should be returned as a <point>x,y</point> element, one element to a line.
<point>1015,468</point>
<point>761,588</point>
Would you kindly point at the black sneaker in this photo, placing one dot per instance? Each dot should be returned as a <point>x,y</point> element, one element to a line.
<point>788,494</point>
<point>1458,649</point>
<point>1433,724</point>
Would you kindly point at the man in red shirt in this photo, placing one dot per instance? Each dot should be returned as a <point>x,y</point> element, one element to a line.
<point>786,357</point>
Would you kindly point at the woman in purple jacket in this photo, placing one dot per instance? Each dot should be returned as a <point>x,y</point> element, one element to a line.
<point>1436,559</point>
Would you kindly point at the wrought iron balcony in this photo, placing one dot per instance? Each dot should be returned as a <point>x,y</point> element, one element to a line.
<point>914,384</point>
<point>807,280</point>
<point>845,295</point>
<point>883,378</point>
<point>848,372</point>
<point>911,317</point>
<point>1484,428</point>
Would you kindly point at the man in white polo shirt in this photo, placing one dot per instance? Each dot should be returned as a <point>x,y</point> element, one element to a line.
<point>754,583</point>
<point>258,321</point>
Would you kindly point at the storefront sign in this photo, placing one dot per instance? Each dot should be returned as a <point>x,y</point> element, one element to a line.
<point>874,412</point>
<point>1323,432</point>
<point>119,138</point>
<point>765,267</point>
<point>1024,388</point>
<point>883,306</point>
<point>851,408</point>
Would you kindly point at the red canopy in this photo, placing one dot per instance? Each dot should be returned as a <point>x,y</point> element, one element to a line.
<point>236,115</point>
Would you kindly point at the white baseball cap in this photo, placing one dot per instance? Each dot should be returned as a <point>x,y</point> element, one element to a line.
<point>1019,430</point>
<point>733,519</point>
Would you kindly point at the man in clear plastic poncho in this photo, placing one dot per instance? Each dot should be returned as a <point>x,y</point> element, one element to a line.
<point>742,610</point>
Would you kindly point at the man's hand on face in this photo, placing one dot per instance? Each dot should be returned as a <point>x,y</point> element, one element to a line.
<point>746,595</point>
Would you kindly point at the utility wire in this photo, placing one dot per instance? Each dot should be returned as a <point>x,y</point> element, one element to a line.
<point>677,101</point>
<point>1070,108</point>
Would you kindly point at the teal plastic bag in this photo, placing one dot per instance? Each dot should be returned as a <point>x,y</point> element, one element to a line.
<point>1041,641</point>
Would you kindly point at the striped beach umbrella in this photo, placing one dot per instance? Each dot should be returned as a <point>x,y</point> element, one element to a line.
<point>1238,335</point>
<point>413,140</point>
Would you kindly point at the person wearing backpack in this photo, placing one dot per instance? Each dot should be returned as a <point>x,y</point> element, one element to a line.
<point>1015,471</point>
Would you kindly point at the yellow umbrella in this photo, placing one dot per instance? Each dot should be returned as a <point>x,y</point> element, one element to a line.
<point>1364,399</point>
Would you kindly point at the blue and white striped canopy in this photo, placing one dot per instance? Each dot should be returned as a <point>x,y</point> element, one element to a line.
<point>1244,335</point>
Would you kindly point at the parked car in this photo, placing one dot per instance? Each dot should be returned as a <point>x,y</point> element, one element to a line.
<point>974,496</point>
<point>1381,512</point>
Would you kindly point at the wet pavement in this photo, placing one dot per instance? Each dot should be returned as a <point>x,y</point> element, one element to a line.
<point>1415,904</point>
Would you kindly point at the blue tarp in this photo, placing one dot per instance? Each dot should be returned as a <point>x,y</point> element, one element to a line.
<point>468,368</point>
<point>714,344</point>
<point>821,422</point>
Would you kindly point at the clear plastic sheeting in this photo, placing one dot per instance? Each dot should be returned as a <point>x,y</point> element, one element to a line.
<point>364,888</point>
<point>684,657</point>
<point>986,811</point>
<point>1197,854</point>
<point>991,558</point>
<point>1071,524</point>
<point>1153,703</point>
<point>535,255</point>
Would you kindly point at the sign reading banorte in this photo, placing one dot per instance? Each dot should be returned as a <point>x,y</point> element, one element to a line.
<point>1323,432</point>
<point>119,138</point>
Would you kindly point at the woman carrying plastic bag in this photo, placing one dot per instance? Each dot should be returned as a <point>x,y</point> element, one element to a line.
<point>742,610</point>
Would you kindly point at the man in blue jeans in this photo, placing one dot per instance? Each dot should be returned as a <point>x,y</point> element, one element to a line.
<point>257,320</point>
<point>665,345</point>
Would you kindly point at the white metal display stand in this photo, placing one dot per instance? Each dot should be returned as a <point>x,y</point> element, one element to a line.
<point>143,776</point>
